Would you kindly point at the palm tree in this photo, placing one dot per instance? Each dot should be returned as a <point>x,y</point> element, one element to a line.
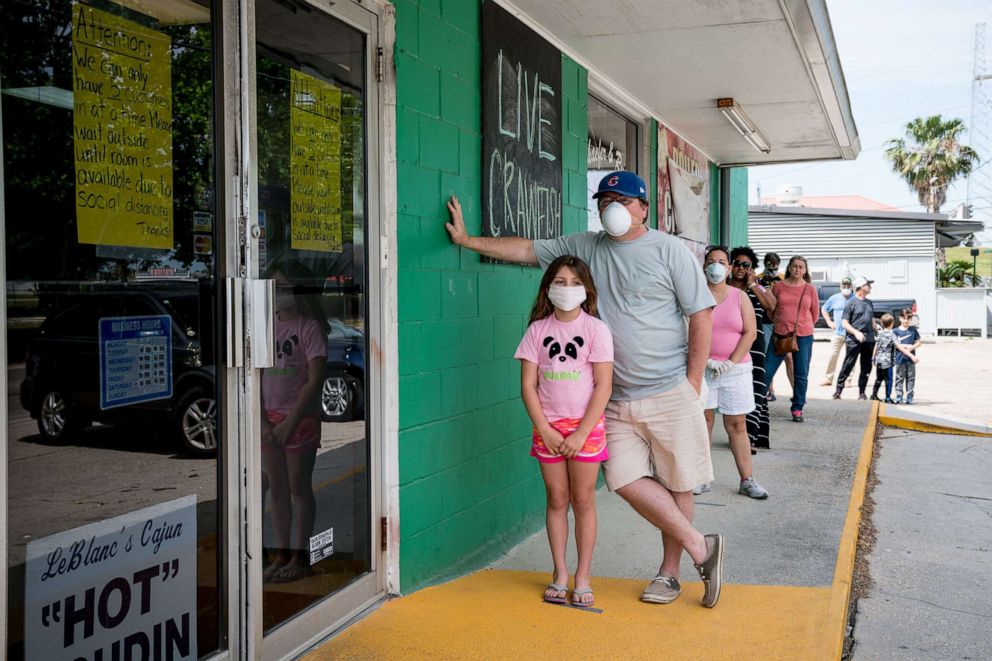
<point>933,159</point>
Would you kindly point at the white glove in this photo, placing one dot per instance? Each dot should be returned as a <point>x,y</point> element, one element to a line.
<point>719,367</point>
<point>723,366</point>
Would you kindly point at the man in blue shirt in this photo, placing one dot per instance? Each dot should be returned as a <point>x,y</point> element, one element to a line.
<point>833,313</point>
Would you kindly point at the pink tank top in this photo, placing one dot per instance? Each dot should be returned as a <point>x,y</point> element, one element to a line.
<point>728,326</point>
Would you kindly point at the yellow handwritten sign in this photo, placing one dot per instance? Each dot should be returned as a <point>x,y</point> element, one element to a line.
<point>315,164</point>
<point>122,130</point>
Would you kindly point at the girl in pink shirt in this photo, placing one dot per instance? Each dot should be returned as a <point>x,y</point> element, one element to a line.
<point>566,377</point>
<point>291,430</point>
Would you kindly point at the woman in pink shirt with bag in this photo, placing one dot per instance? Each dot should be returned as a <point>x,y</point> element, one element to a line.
<point>797,310</point>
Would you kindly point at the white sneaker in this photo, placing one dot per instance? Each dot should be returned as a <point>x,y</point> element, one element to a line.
<point>701,489</point>
<point>752,489</point>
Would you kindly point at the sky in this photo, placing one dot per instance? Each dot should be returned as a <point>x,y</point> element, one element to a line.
<point>901,59</point>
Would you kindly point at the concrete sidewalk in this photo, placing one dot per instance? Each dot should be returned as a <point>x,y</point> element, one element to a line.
<point>787,573</point>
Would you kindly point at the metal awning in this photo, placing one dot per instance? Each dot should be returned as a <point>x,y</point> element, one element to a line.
<point>949,232</point>
<point>776,59</point>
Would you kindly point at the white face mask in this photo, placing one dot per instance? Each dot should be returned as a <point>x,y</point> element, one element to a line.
<point>616,219</point>
<point>846,291</point>
<point>285,298</point>
<point>565,298</point>
<point>716,272</point>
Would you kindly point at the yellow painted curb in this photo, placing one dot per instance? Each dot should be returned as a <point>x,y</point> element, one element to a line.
<point>847,550</point>
<point>916,425</point>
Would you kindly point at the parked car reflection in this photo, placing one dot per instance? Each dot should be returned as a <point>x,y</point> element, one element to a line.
<point>62,383</point>
<point>342,397</point>
<point>61,389</point>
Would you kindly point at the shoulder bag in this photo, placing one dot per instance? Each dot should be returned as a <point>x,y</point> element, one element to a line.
<point>785,344</point>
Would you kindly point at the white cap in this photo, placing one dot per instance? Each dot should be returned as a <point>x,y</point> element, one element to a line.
<point>861,282</point>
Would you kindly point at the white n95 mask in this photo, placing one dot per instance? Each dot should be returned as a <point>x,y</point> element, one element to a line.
<point>565,298</point>
<point>716,272</point>
<point>616,219</point>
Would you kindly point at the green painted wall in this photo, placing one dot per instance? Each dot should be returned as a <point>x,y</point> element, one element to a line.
<point>738,206</point>
<point>468,488</point>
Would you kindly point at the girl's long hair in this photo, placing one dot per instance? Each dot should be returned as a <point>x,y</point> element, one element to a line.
<point>542,304</point>
<point>798,258</point>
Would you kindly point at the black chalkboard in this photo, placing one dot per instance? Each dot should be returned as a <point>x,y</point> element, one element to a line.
<point>521,129</point>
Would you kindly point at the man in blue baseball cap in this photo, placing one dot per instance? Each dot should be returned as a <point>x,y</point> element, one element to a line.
<point>648,284</point>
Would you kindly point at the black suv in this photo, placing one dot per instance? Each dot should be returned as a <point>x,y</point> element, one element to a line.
<point>881,305</point>
<point>65,386</point>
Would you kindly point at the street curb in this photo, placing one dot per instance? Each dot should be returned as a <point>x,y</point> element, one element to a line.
<point>840,596</point>
<point>905,419</point>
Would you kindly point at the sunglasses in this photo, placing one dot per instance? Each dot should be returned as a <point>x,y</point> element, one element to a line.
<point>743,265</point>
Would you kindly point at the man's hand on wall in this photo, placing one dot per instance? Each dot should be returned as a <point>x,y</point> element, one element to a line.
<point>456,228</point>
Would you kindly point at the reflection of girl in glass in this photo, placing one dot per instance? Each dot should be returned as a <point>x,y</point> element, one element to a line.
<point>291,427</point>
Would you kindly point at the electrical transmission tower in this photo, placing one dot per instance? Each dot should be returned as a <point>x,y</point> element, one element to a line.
<point>980,134</point>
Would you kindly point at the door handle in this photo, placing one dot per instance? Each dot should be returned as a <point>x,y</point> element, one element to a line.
<point>263,325</point>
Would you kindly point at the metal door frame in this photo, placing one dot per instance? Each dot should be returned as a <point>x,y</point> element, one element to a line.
<point>325,617</point>
<point>238,383</point>
<point>225,19</point>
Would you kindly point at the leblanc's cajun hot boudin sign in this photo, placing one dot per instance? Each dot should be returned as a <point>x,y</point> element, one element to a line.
<point>521,129</point>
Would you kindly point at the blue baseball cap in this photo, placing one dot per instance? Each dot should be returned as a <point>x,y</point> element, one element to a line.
<point>622,182</point>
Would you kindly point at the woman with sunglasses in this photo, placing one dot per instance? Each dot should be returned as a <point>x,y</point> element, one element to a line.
<point>797,309</point>
<point>742,276</point>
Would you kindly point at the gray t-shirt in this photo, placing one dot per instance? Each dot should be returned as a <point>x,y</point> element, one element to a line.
<point>647,287</point>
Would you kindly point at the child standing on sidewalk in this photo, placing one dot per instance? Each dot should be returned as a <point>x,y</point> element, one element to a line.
<point>566,377</point>
<point>907,341</point>
<point>884,348</point>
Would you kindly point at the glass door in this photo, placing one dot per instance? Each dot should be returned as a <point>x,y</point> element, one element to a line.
<point>113,536</point>
<point>312,130</point>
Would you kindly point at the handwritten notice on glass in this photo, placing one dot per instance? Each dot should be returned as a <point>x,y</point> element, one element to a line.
<point>315,164</point>
<point>121,588</point>
<point>122,130</point>
<point>521,129</point>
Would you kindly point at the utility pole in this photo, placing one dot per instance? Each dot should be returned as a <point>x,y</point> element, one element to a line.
<point>980,133</point>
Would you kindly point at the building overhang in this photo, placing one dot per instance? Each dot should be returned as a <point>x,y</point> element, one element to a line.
<point>776,58</point>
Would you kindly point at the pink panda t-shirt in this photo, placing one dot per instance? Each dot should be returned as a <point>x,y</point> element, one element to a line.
<point>298,341</point>
<point>564,353</point>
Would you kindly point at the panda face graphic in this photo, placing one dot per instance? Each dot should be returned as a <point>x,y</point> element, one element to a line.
<point>571,351</point>
<point>286,349</point>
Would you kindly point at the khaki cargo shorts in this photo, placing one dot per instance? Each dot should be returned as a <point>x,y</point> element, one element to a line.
<point>663,436</point>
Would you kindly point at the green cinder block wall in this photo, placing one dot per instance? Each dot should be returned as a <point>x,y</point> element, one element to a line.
<point>468,488</point>
<point>738,206</point>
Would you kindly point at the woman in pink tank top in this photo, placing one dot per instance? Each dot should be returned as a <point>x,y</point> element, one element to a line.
<point>728,370</point>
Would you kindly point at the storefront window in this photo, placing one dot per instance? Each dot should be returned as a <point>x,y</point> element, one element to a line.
<point>311,126</point>
<point>109,217</point>
<point>612,146</point>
